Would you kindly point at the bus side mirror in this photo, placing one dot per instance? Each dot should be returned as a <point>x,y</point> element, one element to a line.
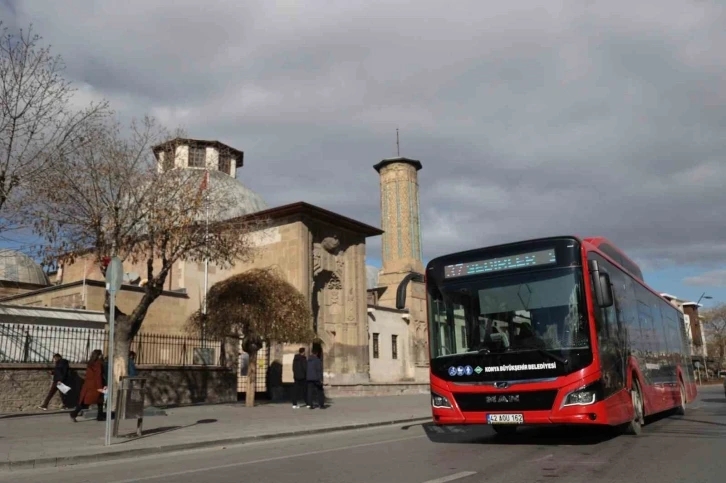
<point>603,290</point>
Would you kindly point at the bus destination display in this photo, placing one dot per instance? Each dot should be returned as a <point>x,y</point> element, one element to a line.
<point>531,259</point>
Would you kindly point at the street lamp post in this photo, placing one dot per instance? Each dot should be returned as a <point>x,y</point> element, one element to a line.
<point>703,296</point>
<point>703,338</point>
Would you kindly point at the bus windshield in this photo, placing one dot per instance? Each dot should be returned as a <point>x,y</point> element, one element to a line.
<point>532,311</point>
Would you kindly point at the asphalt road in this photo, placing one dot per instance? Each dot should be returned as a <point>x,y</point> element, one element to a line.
<point>671,449</point>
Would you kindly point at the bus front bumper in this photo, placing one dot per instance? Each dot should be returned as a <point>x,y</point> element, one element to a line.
<point>475,407</point>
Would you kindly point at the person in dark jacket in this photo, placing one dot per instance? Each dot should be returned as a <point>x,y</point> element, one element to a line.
<point>132,365</point>
<point>61,374</point>
<point>299,375</point>
<point>92,386</point>
<point>315,381</point>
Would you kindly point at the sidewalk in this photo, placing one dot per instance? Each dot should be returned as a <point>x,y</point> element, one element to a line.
<point>54,440</point>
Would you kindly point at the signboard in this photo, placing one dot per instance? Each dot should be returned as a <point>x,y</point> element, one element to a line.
<point>114,275</point>
<point>130,403</point>
<point>134,398</point>
<point>522,260</point>
<point>204,356</point>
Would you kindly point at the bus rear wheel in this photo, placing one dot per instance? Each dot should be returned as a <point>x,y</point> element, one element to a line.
<point>504,429</point>
<point>635,426</point>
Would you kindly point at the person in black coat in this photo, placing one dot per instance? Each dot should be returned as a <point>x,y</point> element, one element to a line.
<point>61,374</point>
<point>299,375</point>
<point>315,381</point>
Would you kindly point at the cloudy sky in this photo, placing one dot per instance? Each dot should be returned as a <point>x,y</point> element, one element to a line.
<point>531,118</point>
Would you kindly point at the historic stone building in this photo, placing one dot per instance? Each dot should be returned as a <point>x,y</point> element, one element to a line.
<point>320,252</point>
<point>399,335</point>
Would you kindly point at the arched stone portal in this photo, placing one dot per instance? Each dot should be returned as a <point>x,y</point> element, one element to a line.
<point>338,300</point>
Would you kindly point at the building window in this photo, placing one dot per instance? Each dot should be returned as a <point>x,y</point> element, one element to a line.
<point>197,157</point>
<point>375,346</point>
<point>224,163</point>
<point>394,347</point>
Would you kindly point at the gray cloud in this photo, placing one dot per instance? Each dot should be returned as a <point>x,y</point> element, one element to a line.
<point>714,278</point>
<point>593,118</point>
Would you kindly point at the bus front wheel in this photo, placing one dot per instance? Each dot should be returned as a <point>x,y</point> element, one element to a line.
<point>681,408</point>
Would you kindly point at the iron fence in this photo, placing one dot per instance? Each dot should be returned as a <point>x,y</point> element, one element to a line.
<point>27,343</point>
<point>175,350</point>
<point>38,343</point>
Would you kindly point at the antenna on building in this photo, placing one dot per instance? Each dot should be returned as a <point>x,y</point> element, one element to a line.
<point>398,145</point>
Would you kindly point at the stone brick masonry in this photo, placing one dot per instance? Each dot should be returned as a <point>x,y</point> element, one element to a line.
<point>171,386</point>
<point>23,387</point>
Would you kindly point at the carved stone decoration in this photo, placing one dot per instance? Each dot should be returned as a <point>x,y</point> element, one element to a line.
<point>351,304</point>
<point>334,287</point>
<point>334,283</point>
<point>317,265</point>
<point>331,244</point>
<point>339,265</point>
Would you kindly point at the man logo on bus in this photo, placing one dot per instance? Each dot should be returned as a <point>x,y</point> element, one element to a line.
<point>452,371</point>
<point>512,398</point>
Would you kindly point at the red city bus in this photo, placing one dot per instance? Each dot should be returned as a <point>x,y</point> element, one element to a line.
<point>559,330</point>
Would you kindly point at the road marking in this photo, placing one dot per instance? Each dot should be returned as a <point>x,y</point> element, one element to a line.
<point>266,460</point>
<point>457,476</point>
<point>542,458</point>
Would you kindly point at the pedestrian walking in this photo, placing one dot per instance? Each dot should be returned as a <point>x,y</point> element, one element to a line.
<point>92,385</point>
<point>132,365</point>
<point>299,375</point>
<point>61,375</point>
<point>315,381</point>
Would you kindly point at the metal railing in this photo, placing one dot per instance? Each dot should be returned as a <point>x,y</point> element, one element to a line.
<point>27,343</point>
<point>174,350</point>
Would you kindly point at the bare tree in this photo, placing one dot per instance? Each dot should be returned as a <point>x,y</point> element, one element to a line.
<point>260,306</point>
<point>37,120</point>
<point>715,325</point>
<point>111,198</point>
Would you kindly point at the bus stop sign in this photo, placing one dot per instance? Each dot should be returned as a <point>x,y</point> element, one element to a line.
<point>114,275</point>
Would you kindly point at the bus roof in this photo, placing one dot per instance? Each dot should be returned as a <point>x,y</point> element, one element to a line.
<point>598,243</point>
<point>607,248</point>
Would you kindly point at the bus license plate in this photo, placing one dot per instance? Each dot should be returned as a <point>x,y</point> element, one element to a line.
<point>505,419</point>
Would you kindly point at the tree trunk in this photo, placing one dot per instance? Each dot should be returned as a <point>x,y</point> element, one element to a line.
<point>121,348</point>
<point>251,380</point>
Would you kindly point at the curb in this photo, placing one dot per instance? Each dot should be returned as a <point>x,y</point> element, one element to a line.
<point>124,454</point>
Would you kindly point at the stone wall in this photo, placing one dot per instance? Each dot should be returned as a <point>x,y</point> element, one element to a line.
<point>179,386</point>
<point>24,386</point>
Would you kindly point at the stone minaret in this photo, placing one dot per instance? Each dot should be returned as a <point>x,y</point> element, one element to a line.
<point>401,244</point>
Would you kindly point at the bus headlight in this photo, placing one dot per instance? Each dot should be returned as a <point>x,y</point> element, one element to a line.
<point>584,396</point>
<point>439,401</point>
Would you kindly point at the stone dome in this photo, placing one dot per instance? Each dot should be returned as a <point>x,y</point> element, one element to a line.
<point>242,200</point>
<point>18,267</point>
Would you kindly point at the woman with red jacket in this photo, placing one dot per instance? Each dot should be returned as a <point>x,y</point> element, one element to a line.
<point>92,385</point>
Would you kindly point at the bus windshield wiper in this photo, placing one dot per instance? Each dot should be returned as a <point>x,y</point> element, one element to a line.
<point>553,356</point>
<point>544,352</point>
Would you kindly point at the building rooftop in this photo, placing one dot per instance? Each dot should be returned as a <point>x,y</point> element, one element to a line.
<point>18,267</point>
<point>239,155</point>
<point>413,162</point>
